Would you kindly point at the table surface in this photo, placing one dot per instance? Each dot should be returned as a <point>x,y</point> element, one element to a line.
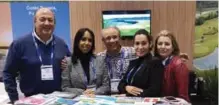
<point>98,100</point>
<point>4,95</point>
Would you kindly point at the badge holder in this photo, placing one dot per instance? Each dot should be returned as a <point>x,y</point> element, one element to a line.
<point>46,72</point>
<point>114,85</point>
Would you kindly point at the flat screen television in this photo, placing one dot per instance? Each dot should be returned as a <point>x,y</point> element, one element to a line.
<point>128,21</point>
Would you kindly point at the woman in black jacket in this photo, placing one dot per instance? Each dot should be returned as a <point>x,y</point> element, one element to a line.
<point>144,75</point>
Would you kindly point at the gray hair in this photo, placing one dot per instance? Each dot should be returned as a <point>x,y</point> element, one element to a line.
<point>44,8</point>
<point>116,28</point>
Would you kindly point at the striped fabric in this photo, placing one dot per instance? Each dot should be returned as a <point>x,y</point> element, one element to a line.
<point>119,61</point>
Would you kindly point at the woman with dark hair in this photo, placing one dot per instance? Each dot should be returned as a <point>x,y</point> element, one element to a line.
<point>85,72</point>
<point>175,82</point>
<point>144,74</point>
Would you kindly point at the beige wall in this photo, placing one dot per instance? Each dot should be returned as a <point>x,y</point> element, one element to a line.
<point>6,27</point>
<point>176,16</point>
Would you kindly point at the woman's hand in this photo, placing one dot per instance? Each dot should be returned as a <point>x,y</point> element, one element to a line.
<point>133,90</point>
<point>89,93</point>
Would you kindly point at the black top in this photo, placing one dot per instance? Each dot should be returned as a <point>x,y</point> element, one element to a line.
<point>85,60</point>
<point>146,73</point>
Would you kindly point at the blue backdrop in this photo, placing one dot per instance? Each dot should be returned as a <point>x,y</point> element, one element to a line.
<point>22,15</point>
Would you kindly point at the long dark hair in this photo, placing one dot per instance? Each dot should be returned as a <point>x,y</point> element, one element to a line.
<point>147,34</point>
<point>76,51</point>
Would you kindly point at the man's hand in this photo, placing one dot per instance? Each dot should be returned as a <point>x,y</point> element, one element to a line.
<point>64,63</point>
<point>133,90</point>
<point>12,102</point>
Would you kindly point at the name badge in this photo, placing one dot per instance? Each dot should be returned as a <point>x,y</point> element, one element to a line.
<point>92,87</point>
<point>114,85</point>
<point>47,72</point>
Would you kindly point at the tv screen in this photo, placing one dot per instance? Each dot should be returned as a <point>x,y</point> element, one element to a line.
<point>128,21</point>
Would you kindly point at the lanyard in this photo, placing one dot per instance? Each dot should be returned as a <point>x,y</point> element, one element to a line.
<point>94,72</point>
<point>129,74</point>
<point>109,66</point>
<point>38,51</point>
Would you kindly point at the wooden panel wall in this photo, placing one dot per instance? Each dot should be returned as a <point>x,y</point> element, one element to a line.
<point>176,16</point>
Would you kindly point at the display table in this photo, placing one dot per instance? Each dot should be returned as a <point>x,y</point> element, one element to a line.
<point>84,100</point>
<point>112,100</point>
<point>51,99</point>
<point>3,95</point>
<point>4,99</point>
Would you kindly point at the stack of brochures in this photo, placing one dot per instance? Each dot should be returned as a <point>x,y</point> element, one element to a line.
<point>42,99</point>
<point>96,100</point>
<point>112,100</point>
<point>60,98</point>
<point>39,99</point>
<point>170,100</point>
<point>63,95</point>
<point>130,100</point>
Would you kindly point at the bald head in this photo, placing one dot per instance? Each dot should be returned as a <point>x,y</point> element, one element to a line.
<point>41,11</point>
<point>111,39</point>
<point>110,29</point>
<point>44,22</point>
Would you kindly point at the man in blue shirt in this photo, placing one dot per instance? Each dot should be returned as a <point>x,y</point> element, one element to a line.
<point>37,58</point>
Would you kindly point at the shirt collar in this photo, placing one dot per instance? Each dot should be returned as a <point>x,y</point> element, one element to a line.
<point>167,60</point>
<point>38,38</point>
<point>119,54</point>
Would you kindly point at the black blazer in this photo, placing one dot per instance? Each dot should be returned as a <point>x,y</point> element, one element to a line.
<point>149,77</point>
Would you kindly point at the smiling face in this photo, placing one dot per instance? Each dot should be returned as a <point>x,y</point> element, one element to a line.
<point>44,22</point>
<point>85,43</point>
<point>164,46</point>
<point>111,39</point>
<point>141,45</point>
